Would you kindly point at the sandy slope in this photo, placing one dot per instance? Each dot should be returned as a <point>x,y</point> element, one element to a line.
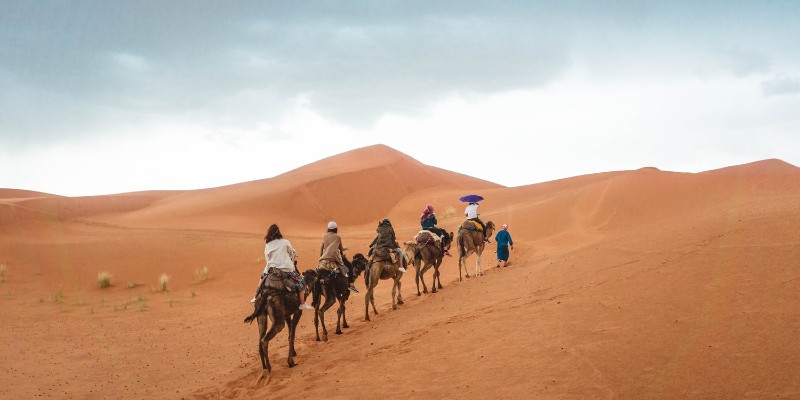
<point>625,284</point>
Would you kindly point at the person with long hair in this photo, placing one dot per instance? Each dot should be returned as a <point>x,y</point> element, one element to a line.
<point>279,254</point>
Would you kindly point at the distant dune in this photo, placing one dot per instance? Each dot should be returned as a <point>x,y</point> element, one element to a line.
<point>623,284</point>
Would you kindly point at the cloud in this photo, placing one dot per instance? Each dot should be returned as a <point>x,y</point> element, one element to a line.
<point>781,85</point>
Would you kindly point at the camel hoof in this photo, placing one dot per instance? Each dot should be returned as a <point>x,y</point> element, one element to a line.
<point>345,326</point>
<point>264,378</point>
<point>338,332</point>
<point>394,307</point>
<point>324,338</point>
<point>401,302</point>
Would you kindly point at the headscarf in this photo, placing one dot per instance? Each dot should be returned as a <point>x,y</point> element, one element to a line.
<point>426,213</point>
<point>504,227</point>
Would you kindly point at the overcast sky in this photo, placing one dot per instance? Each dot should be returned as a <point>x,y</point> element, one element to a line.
<point>100,97</point>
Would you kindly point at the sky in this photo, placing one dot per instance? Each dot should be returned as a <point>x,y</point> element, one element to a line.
<point>103,97</point>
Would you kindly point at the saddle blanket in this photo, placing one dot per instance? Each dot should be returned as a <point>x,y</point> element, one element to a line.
<point>280,280</point>
<point>425,235</point>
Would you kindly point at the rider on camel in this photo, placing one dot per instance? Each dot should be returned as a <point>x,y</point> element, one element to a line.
<point>428,222</point>
<point>472,214</point>
<point>280,255</point>
<point>387,239</point>
<point>330,254</point>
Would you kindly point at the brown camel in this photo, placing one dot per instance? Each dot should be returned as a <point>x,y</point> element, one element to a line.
<point>380,267</point>
<point>428,253</point>
<point>282,307</point>
<point>332,287</point>
<point>471,240</point>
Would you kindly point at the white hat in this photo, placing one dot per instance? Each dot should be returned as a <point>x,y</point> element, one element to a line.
<point>331,225</point>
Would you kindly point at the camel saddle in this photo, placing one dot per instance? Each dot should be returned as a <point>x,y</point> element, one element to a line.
<point>471,225</point>
<point>385,254</point>
<point>280,280</point>
<point>426,237</point>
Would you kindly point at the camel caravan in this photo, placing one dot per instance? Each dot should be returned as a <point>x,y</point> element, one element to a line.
<point>281,294</point>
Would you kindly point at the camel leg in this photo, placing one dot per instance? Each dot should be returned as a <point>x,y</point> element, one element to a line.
<point>369,298</point>
<point>339,315</point>
<point>262,330</point>
<point>399,295</point>
<point>366,304</point>
<point>417,278</point>
<point>422,277</point>
<point>329,300</point>
<point>343,301</point>
<point>278,321</point>
<point>292,332</point>
<point>394,293</point>
<point>478,270</point>
<point>438,274</point>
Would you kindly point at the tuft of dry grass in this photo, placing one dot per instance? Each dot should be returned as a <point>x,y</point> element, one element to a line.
<point>3,272</point>
<point>163,282</point>
<point>449,212</point>
<point>200,275</point>
<point>133,284</point>
<point>104,279</point>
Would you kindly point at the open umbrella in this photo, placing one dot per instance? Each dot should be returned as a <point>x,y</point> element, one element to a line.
<point>471,198</point>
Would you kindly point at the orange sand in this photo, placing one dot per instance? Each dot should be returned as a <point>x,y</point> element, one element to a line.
<point>627,284</point>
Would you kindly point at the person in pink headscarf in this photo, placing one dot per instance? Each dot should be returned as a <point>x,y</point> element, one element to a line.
<point>428,221</point>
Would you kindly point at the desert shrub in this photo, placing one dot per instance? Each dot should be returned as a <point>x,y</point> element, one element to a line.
<point>3,272</point>
<point>59,297</point>
<point>200,275</point>
<point>449,212</point>
<point>163,282</point>
<point>104,279</point>
<point>140,299</point>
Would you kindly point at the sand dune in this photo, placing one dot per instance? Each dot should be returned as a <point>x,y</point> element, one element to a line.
<point>624,284</point>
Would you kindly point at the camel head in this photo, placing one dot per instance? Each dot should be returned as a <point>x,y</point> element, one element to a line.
<point>489,229</point>
<point>310,276</point>
<point>359,264</point>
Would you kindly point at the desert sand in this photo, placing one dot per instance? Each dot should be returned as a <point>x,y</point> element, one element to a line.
<point>624,284</point>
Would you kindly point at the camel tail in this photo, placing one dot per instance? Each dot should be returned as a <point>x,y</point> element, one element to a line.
<point>260,308</point>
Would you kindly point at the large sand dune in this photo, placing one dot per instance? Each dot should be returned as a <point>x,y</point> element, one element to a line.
<point>624,284</point>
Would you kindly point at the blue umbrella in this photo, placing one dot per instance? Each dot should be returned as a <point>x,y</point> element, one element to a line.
<point>471,198</point>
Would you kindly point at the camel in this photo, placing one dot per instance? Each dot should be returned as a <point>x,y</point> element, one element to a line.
<point>380,267</point>
<point>471,240</point>
<point>429,254</point>
<point>333,287</point>
<point>282,307</point>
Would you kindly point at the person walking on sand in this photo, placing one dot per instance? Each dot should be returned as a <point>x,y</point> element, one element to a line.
<point>330,254</point>
<point>504,244</point>
<point>280,255</point>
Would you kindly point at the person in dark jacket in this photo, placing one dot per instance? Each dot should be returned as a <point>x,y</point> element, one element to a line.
<point>428,221</point>
<point>387,239</point>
